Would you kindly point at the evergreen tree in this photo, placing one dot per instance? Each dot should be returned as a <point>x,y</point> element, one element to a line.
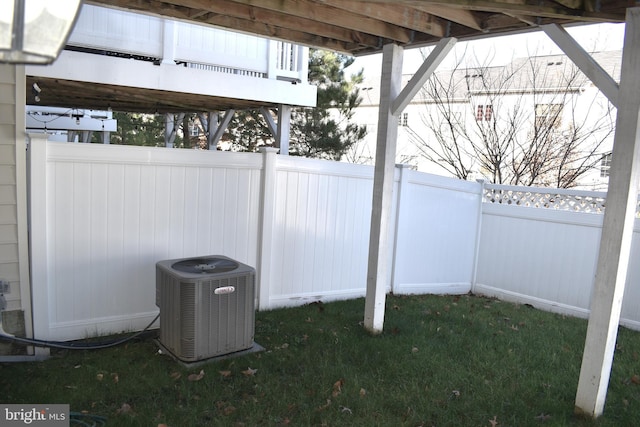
<point>327,131</point>
<point>138,129</point>
<point>324,131</point>
<point>247,131</point>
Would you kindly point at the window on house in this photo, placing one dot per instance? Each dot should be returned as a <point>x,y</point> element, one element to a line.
<point>548,115</point>
<point>488,112</point>
<point>403,120</point>
<point>194,130</point>
<point>605,165</point>
<point>484,113</point>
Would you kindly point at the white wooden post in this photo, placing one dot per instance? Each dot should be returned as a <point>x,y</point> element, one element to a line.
<point>423,74</point>
<point>226,119</point>
<point>272,60</point>
<point>168,42</point>
<point>379,241</point>
<point>271,124</point>
<point>303,64</point>
<point>170,128</point>
<point>284,129</point>
<point>615,243</point>
<point>39,259</point>
<point>267,215</point>
<point>401,214</point>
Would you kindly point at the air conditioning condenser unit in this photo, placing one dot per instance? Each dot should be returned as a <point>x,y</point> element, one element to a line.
<point>207,306</point>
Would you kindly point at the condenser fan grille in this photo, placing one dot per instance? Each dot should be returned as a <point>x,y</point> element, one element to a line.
<point>205,265</point>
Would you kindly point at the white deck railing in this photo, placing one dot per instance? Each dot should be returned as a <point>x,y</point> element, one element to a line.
<point>167,42</point>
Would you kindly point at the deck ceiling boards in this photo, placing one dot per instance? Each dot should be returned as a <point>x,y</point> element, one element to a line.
<point>74,94</point>
<point>348,26</point>
<point>362,27</point>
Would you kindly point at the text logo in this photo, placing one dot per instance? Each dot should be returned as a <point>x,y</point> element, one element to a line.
<point>34,415</point>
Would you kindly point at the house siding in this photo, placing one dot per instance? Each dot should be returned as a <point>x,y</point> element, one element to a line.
<point>13,231</point>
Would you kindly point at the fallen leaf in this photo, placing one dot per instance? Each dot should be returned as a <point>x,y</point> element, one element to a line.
<point>99,377</point>
<point>229,410</point>
<point>162,425</point>
<point>363,392</point>
<point>225,374</point>
<point>114,377</point>
<point>337,387</point>
<point>345,410</point>
<point>455,393</point>
<point>124,409</point>
<point>249,372</point>
<point>494,421</point>
<point>635,379</point>
<point>196,377</point>
<point>414,350</point>
<point>175,375</point>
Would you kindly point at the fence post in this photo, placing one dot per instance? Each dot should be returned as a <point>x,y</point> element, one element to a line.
<point>403,182</point>
<point>267,214</point>
<point>37,163</point>
<point>476,252</point>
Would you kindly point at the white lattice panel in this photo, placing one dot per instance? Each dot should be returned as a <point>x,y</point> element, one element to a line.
<point>549,200</point>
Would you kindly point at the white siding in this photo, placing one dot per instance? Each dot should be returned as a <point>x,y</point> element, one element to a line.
<point>9,224</point>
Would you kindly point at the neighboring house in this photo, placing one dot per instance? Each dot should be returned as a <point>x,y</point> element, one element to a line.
<point>542,95</point>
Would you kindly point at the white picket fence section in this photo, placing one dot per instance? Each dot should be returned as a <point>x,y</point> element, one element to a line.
<point>102,216</point>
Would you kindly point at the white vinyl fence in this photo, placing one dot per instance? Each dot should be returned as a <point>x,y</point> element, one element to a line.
<point>102,216</point>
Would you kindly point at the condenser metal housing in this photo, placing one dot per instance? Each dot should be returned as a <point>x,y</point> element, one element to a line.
<point>207,306</point>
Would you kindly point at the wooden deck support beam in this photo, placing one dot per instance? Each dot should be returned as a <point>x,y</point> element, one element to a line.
<point>392,101</point>
<point>584,61</point>
<point>617,231</point>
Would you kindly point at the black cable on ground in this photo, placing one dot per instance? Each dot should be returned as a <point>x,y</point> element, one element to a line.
<point>88,420</point>
<point>77,345</point>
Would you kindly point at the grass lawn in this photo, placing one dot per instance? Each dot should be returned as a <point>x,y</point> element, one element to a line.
<point>441,361</point>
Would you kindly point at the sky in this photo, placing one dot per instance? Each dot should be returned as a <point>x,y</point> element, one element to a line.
<point>501,50</point>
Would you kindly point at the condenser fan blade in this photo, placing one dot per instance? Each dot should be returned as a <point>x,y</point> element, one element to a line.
<point>205,265</point>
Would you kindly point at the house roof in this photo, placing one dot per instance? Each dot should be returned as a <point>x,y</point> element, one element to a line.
<point>362,27</point>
